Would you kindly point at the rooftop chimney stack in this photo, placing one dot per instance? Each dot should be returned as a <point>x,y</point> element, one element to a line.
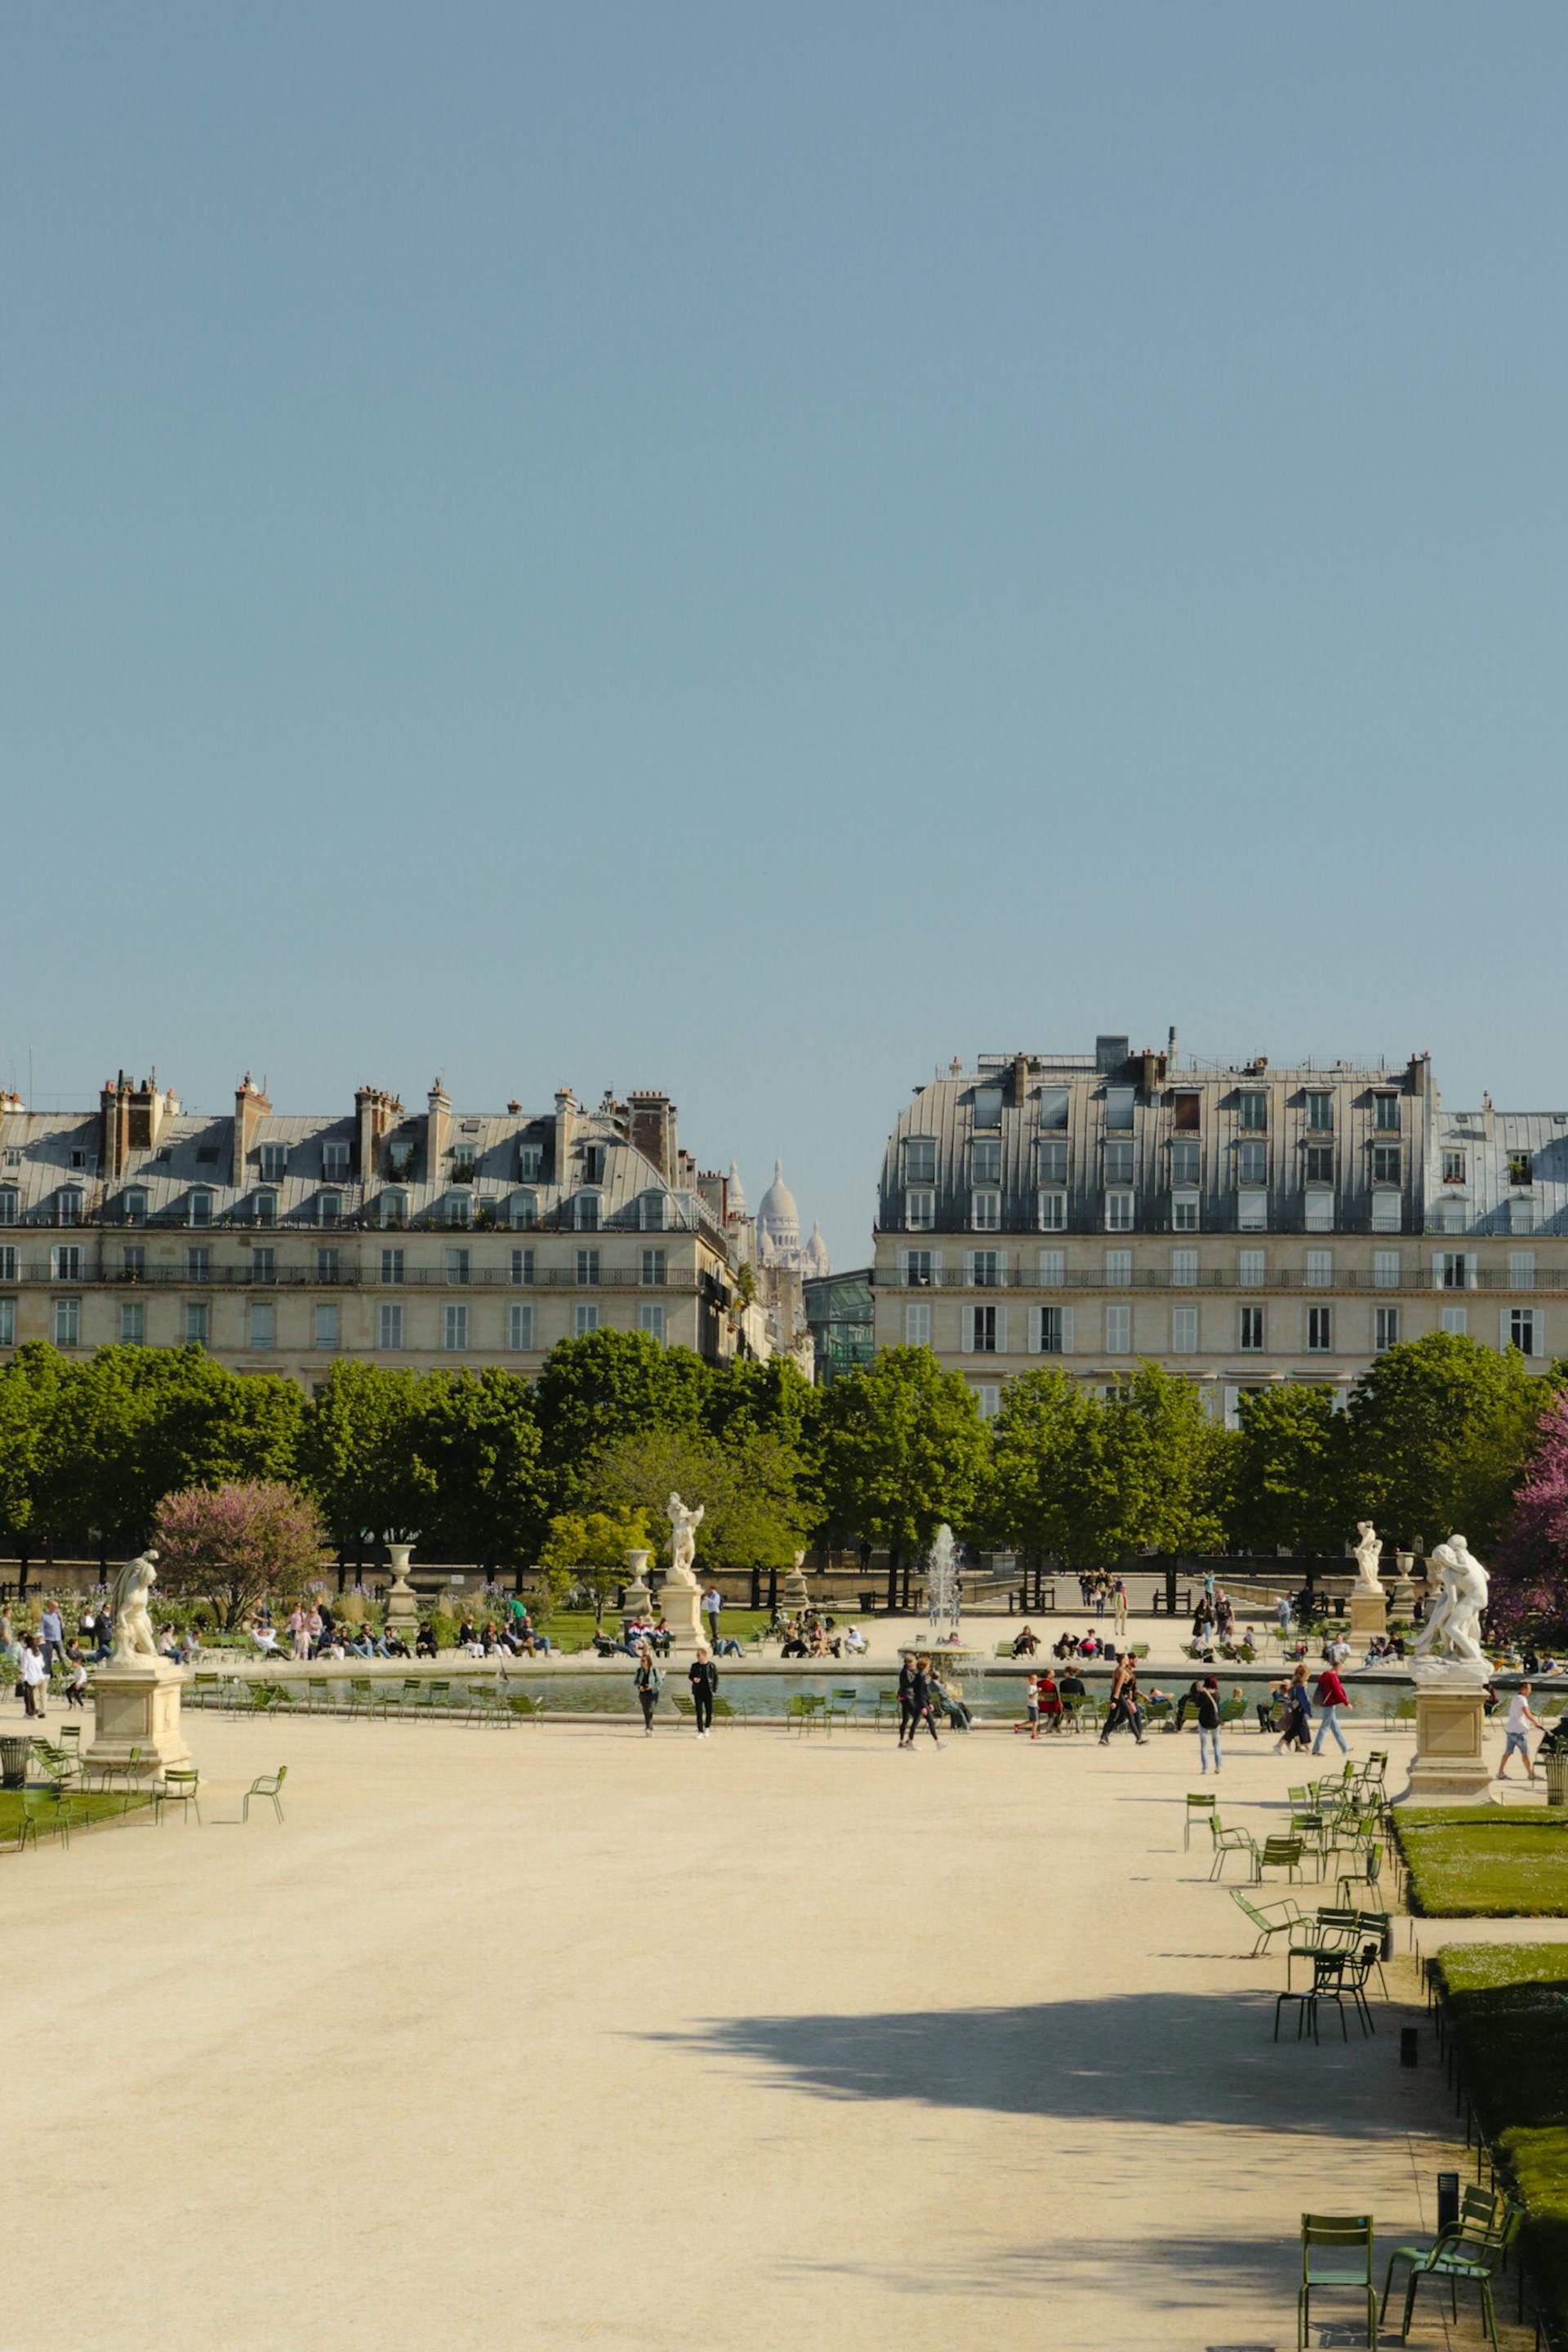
<point>565,1128</point>
<point>437,1130</point>
<point>250,1108</point>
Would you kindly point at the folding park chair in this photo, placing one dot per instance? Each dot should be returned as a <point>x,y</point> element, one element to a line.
<point>1336,2255</point>
<point>269,1785</point>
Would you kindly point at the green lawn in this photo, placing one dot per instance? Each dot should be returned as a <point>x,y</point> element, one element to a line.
<point>99,1806</point>
<point>573,1629</point>
<point>1485,1862</point>
<point>1507,2005</point>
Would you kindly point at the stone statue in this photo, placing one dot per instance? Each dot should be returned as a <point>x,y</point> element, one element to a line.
<point>134,1636</point>
<point>684,1525</point>
<point>1454,1628</point>
<point>1367,1553</point>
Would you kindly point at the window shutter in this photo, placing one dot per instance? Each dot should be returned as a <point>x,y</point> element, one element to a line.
<point>966,1318</point>
<point>1035,1315</point>
<point>1436,1269</point>
<point>1002,1330</point>
<point>1505,1320</point>
<point>968,1266</point>
<point>936,1262</point>
<point>1067,1330</point>
<point>1471,1262</point>
<point>903,1268</point>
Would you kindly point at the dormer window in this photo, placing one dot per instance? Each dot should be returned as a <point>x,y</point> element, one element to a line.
<point>8,1202</point>
<point>531,1161</point>
<point>586,1217</point>
<point>1521,1168</point>
<point>987,1106</point>
<point>69,1209</point>
<point>651,1212</point>
<point>593,1164</point>
<point>919,1160</point>
<point>459,1208</point>
<point>265,1208</point>
<point>274,1162</point>
<point>986,1160</point>
<point>335,1158</point>
<point>1119,1102</point>
<point>329,1208</point>
<point>400,1155</point>
<point>464,1159</point>
<point>200,1209</point>
<point>133,1206</point>
<point>394,1211</point>
<point>525,1212</point>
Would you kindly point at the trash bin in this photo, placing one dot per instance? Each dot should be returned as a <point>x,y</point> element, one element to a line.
<point>1556,1779</point>
<point>14,1753</point>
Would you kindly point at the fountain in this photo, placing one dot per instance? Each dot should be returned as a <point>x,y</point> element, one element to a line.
<point>944,1596</point>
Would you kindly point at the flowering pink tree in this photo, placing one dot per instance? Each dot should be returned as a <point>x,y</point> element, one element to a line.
<point>1530,1585</point>
<point>236,1543</point>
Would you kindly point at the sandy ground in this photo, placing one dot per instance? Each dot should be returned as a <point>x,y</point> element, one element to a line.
<point>562,2036</point>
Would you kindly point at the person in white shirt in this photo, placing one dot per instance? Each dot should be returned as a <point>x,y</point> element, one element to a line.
<point>33,1678</point>
<point>854,1641</point>
<point>1516,1736</point>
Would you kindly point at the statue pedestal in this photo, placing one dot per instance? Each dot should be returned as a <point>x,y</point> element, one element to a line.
<point>1450,1717</point>
<point>795,1596</point>
<point>636,1597</point>
<point>681,1605</point>
<point>401,1603</point>
<point>1369,1613</point>
<point>137,1704</point>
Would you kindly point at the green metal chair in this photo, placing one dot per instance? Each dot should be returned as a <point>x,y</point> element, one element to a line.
<point>844,1706</point>
<point>1258,1916</point>
<point>269,1785</point>
<point>54,1810</point>
<point>1467,2257</point>
<point>1278,1853</point>
<point>1337,2256</point>
<point>1228,1842</point>
<point>180,1785</point>
<point>1199,1808</point>
<point>1478,2212</point>
<point>523,1707</point>
<point>730,1710</point>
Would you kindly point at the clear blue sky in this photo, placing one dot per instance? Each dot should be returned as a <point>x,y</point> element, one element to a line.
<point>756,548</point>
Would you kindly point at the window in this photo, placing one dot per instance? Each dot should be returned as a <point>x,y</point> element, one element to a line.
<point>1119,1102</point>
<point>1320,1163</point>
<point>133,1260</point>
<point>67,1322</point>
<point>266,1209</point>
<point>653,1267</point>
<point>1521,1269</point>
<point>985,1211</point>
<point>1385,1329</point>
<point>981,1326</point>
<point>1055,1330</point>
<point>8,1197</point>
<point>1252,1211</point>
<point>199,1209</point>
<point>1053,1268</point>
<point>392,1265</point>
<point>1119,1330</point>
<point>1249,1271</point>
<point>1053,1212</point>
<point>989,1399</point>
<point>985,1268</point>
<point>1119,1268</point>
<point>1522,1330</point>
<point>1250,1337</point>
<point>653,1212</point>
<point>917,1267</point>
<point>400,1156</point>
<point>1187,1113</point>
<point>1053,1107</point>
<point>919,1213</point>
<point>463,1161</point>
<point>585,1318</point>
<point>198,1322</point>
<point>459,1209</point>
<point>456,1266</point>
<point>263,1323</point>
<point>1252,1164</point>
<point>1454,1164</point>
<point>1319,1269</point>
<point>1183,1330</point>
<point>65,1260</point>
<point>328,1265</point>
<point>1185,1163</point>
<point>1184,1212</point>
<point>199,1264</point>
<point>587,1266</point>
<point>132,1323</point>
<point>1053,1163</point>
<point>264,1265</point>
<point>1185,1269</point>
<point>530,1162</point>
<point>593,1163</point>
<point>917,1324</point>
<point>329,1208</point>
<point>1387,1212</point>
<point>455,1325</point>
<point>1521,1168</point>
<point>83,1159</point>
<point>1385,1269</point>
<point>520,1327</point>
<point>67,1207</point>
<point>524,1213</point>
<point>134,1207</point>
<point>1119,1163</point>
<point>335,1158</point>
<point>1319,1329</point>
<point>1455,1320</point>
<point>586,1212</point>
<point>1252,1111</point>
<point>389,1324</point>
<point>7,1322</point>
<point>274,1162</point>
<point>1453,1270</point>
<point>1320,1113</point>
<point>394,1212</point>
<point>8,1263</point>
<point>985,1161</point>
<point>329,1323</point>
<point>987,1106</point>
<point>1385,1113</point>
<point>1119,1212</point>
<point>1319,1211</point>
<point>650,1318</point>
<point>522,1265</point>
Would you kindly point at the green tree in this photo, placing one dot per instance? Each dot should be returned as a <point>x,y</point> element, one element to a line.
<point>29,1397</point>
<point>605,1385</point>
<point>755,1517</point>
<point>904,1448</point>
<point>359,1454</point>
<point>1290,1483</point>
<point>1441,1429</point>
<point>1044,1442</point>
<point>589,1549</point>
<point>1156,1478</point>
<point>476,1435</point>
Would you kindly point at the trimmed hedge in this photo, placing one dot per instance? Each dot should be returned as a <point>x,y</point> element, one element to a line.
<point>1486,1861</point>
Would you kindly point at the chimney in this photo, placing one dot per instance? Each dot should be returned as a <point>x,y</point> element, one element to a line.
<point>652,1116</point>
<point>250,1108</point>
<point>114,1127</point>
<point>565,1127</point>
<point>375,1110</point>
<point>1020,1079</point>
<point>438,1126</point>
<point>146,1110</point>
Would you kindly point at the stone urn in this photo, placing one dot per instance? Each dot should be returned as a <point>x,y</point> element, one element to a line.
<point>1403,1597</point>
<point>402,1605</point>
<point>637,1595</point>
<point>796,1595</point>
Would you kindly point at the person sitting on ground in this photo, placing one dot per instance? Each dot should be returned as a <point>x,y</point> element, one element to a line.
<point>425,1644</point>
<point>1025,1644</point>
<point>854,1641</point>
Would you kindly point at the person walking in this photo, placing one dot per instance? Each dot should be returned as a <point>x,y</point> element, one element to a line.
<point>1119,1596</point>
<point>647,1682</point>
<point>33,1675</point>
<point>1297,1731</point>
<point>921,1707</point>
<point>906,1700</point>
<point>52,1629</point>
<point>703,1677</point>
<point>1282,1618</point>
<point>1516,1736</point>
<point>1206,1707</point>
<point>1125,1700</point>
<point>1331,1696</point>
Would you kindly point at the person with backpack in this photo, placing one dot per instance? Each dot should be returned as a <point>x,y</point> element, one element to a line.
<point>1298,1726</point>
<point>1206,1707</point>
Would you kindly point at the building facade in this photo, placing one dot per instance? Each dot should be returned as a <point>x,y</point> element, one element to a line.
<point>1239,1225</point>
<point>281,1242</point>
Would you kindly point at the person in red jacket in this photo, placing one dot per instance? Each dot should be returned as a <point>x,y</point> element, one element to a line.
<point>1330,1698</point>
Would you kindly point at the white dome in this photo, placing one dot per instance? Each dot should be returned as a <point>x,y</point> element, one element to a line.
<point>778,1217</point>
<point>815,1254</point>
<point>737,1198</point>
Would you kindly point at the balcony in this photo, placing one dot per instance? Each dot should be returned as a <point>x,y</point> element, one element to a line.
<point>1293,1280</point>
<point>243,1276</point>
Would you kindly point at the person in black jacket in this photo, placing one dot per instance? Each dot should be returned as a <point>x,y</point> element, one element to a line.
<point>703,1677</point>
<point>1205,1706</point>
<point>906,1691</point>
<point>921,1707</point>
